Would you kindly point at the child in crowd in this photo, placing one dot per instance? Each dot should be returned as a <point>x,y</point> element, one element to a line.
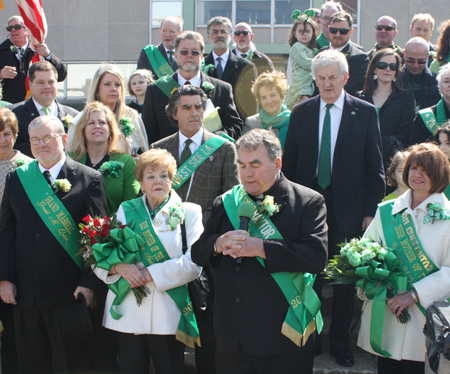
<point>137,85</point>
<point>395,175</point>
<point>442,137</point>
<point>302,41</point>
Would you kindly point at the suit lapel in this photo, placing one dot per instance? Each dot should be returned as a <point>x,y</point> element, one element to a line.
<point>68,171</point>
<point>348,118</point>
<point>205,78</point>
<point>30,110</point>
<point>313,124</point>
<point>61,110</point>
<point>172,146</point>
<point>230,67</point>
<point>210,61</point>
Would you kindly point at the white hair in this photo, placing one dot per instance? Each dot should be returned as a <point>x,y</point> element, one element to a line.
<point>15,18</point>
<point>327,58</point>
<point>40,121</point>
<point>442,71</point>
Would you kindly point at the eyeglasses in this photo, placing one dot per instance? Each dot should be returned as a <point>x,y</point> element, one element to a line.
<point>184,52</point>
<point>243,32</point>
<point>342,31</point>
<point>384,65</point>
<point>46,139</point>
<point>413,61</point>
<point>386,27</point>
<point>15,27</point>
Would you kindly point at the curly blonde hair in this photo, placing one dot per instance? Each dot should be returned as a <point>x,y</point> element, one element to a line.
<point>275,79</point>
<point>152,159</point>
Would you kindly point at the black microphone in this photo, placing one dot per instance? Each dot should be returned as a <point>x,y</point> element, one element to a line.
<point>245,214</point>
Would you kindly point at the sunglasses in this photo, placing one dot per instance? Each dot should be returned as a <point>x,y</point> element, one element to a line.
<point>15,27</point>
<point>342,31</point>
<point>193,53</point>
<point>243,32</point>
<point>413,61</point>
<point>384,65</point>
<point>386,27</point>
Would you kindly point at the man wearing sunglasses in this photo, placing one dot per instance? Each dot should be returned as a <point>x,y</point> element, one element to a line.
<point>189,47</point>
<point>417,77</point>
<point>15,59</point>
<point>245,48</point>
<point>341,28</point>
<point>385,32</point>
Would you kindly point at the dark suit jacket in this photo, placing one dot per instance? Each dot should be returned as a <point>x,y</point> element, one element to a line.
<point>420,132</point>
<point>430,94</point>
<point>358,63</point>
<point>262,62</point>
<point>357,166</point>
<point>241,74</point>
<point>158,125</point>
<point>31,257</point>
<point>249,306</point>
<point>27,112</point>
<point>144,63</point>
<point>14,89</point>
<point>213,177</point>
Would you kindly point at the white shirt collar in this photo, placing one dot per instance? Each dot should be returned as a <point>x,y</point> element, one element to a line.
<point>339,49</point>
<point>53,108</point>
<point>404,202</point>
<point>196,81</point>
<point>197,138</point>
<point>24,47</point>
<point>167,50</point>
<point>339,102</point>
<point>56,169</point>
<point>239,53</point>
<point>224,57</point>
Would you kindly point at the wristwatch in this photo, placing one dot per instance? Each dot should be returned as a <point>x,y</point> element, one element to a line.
<point>215,250</point>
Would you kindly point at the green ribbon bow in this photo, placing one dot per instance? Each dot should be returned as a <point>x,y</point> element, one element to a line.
<point>376,278</point>
<point>123,247</point>
<point>435,212</point>
<point>126,126</point>
<point>111,168</point>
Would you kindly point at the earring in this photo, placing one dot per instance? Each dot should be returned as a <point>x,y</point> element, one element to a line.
<point>375,77</point>
<point>97,97</point>
<point>393,80</point>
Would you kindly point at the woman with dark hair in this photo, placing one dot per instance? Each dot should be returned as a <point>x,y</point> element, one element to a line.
<point>417,225</point>
<point>443,48</point>
<point>395,106</point>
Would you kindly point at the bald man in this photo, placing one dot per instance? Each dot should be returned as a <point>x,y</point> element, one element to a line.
<point>385,32</point>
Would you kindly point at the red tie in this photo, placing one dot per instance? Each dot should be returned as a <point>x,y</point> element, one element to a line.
<point>187,83</point>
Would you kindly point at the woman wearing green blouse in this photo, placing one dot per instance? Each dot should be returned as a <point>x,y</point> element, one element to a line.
<point>96,144</point>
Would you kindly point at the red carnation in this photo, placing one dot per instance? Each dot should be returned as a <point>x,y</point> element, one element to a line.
<point>87,219</point>
<point>87,230</point>
<point>105,230</point>
<point>107,219</point>
<point>96,223</point>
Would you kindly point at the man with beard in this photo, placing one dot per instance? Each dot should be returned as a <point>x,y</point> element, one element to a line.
<point>245,48</point>
<point>189,47</point>
<point>237,71</point>
<point>160,60</point>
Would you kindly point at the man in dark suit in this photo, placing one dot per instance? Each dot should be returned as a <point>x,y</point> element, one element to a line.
<point>245,48</point>
<point>43,85</point>
<point>333,145</point>
<point>250,306</point>
<point>15,58</point>
<point>171,27</point>
<point>217,174</point>
<point>341,28</point>
<point>189,48</point>
<point>237,71</point>
<point>40,272</point>
<point>385,32</point>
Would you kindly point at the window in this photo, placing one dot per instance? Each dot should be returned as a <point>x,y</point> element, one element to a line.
<point>208,9</point>
<point>162,9</point>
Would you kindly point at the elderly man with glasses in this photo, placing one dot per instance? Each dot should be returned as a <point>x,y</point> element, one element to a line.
<point>385,32</point>
<point>340,29</point>
<point>15,58</point>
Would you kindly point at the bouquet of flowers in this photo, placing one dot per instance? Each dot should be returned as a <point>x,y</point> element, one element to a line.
<point>105,243</point>
<point>373,267</point>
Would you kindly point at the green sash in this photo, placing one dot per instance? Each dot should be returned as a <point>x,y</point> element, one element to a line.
<point>154,252</point>
<point>158,62</point>
<point>51,210</point>
<point>167,85</point>
<point>400,234</point>
<point>303,316</point>
<point>429,119</point>
<point>185,171</point>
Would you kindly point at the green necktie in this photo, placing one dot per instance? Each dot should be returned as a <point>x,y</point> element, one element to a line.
<point>48,177</point>
<point>171,60</point>
<point>324,174</point>
<point>244,55</point>
<point>184,157</point>
<point>46,110</point>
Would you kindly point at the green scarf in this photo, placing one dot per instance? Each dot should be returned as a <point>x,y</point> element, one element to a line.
<point>280,121</point>
<point>441,118</point>
<point>322,41</point>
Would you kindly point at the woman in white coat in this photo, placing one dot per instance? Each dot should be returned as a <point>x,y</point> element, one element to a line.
<point>423,246</point>
<point>150,329</point>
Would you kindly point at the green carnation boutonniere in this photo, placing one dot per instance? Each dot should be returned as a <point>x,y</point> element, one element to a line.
<point>207,86</point>
<point>62,185</point>
<point>268,206</point>
<point>435,212</point>
<point>176,216</point>
<point>13,49</point>
<point>126,126</point>
<point>250,55</point>
<point>209,69</point>
<point>19,162</point>
<point>67,119</point>
<point>315,51</point>
<point>111,168</point>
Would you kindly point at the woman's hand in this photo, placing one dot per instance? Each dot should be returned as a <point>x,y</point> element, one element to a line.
<point>400,302</point>
<point>132,274</point>
<point>146,274</point>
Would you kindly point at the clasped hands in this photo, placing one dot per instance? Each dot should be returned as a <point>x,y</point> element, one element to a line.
<point>400,302</point>
<point>135,275</point>
<point>239,243</point>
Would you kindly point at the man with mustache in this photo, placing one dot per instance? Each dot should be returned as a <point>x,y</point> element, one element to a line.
<point>160,60</point>
<point>245,48</point>
<point>237,71</point>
